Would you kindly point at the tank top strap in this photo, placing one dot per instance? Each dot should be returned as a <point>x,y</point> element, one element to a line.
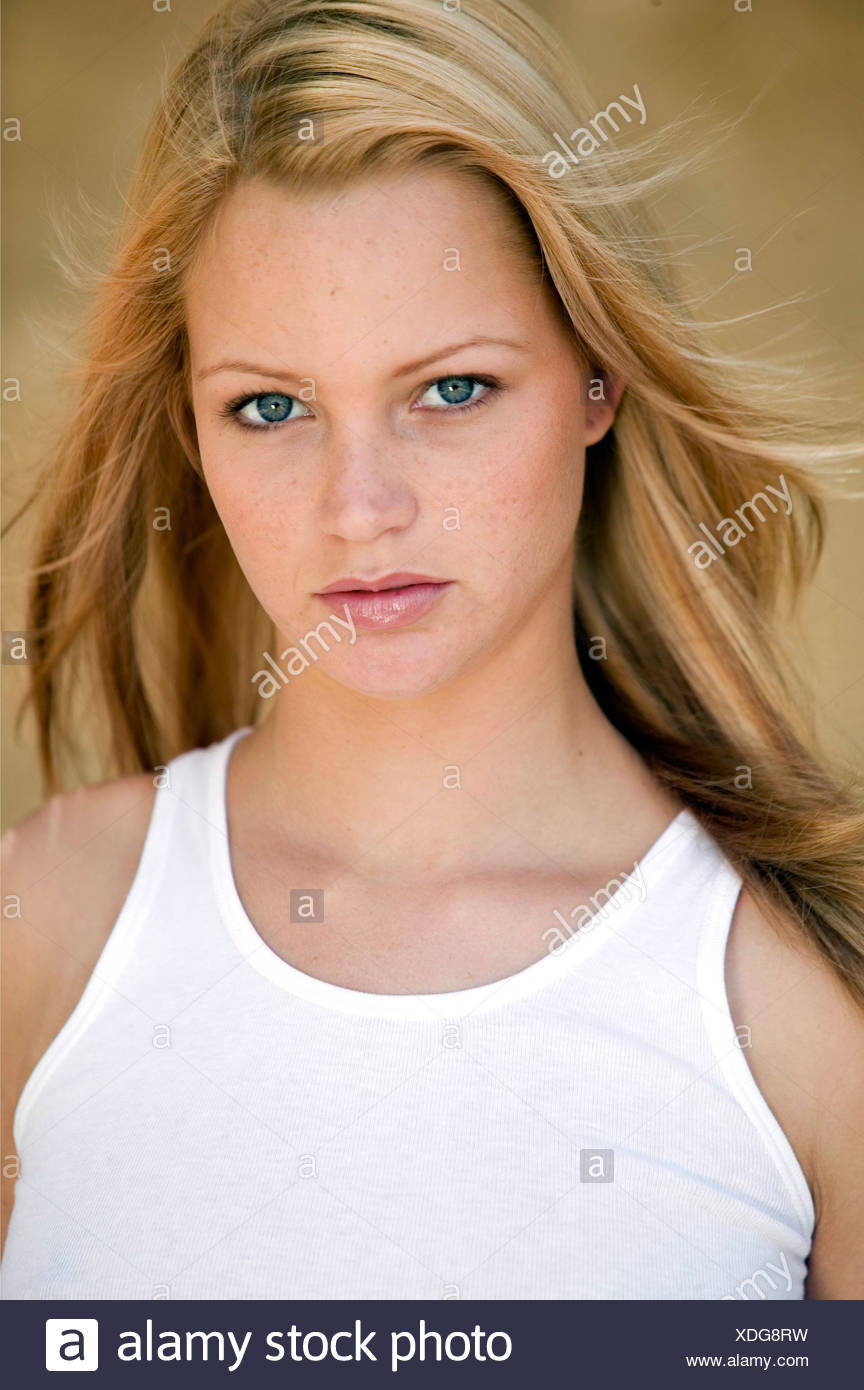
<point>689,889</point>
<point>181,802</point>
<point>187,825</point>
<point>729,1038</point>
<point>194,789</point>
<point>209,793</point>
<point>167,891</point>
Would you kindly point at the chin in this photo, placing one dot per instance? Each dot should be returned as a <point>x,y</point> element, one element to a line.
<point>403,672</point>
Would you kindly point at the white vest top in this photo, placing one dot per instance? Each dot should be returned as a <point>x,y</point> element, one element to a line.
<point>212,1122</point>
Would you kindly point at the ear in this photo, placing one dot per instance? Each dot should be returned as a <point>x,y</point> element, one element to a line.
<point>603,393</point>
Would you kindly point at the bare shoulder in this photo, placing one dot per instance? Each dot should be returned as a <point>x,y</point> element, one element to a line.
<point>67,870</point>
<point>807,1056</point>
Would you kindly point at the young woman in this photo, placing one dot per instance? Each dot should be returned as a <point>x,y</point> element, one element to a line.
<point>472,917</point>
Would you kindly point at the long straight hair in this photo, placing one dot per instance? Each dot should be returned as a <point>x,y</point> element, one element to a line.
<point>678,639</point>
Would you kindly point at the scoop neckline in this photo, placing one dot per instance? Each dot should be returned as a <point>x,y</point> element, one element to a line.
<point>430,1007</point>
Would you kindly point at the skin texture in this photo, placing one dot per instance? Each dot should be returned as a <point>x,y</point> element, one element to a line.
<point>341,785</point>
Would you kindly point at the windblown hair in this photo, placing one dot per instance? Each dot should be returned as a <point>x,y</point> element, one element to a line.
<point>695,674</point>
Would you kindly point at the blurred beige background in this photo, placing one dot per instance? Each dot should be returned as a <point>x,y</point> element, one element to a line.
<point>82,78</point>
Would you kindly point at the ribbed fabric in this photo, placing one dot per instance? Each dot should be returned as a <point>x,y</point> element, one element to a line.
<point>212,1122</point>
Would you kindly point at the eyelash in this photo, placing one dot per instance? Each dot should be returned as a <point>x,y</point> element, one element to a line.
<point>231,409</point>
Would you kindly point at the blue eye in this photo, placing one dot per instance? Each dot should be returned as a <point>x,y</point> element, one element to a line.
<point>271,408</point>
<point>457,392</point>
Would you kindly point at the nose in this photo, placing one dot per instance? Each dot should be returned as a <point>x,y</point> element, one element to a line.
<point>365,487</point>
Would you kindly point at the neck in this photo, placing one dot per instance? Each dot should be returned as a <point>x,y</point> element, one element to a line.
<point>511,764</point>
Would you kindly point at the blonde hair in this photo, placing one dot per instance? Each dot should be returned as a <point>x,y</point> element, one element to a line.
<point>694,673</point>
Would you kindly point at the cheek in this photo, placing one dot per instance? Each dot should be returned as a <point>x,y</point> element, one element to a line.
<point>239,482</point>
<point>530,505</point>
<point>240,507</point>
<point>262,519</point>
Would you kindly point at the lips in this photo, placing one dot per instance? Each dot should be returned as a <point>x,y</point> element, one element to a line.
<point>398,580</point>
<point>395,600</point>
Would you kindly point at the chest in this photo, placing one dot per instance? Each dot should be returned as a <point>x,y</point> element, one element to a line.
<point>404,938</point>
<point>552,1152</point>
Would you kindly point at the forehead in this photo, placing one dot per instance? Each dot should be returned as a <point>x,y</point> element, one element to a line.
<point>389,253</point>
<point>424,208</point>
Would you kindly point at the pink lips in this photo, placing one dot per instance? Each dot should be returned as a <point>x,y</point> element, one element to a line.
<point>394,600</point>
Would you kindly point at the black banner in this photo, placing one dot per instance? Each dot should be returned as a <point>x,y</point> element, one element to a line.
<point>269,1343</point>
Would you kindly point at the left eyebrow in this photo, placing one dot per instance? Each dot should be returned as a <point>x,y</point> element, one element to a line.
<point>480,341</point>
<point>263,369</point>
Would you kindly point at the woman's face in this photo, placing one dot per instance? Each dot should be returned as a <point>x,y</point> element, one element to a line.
<point>357,431</point>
